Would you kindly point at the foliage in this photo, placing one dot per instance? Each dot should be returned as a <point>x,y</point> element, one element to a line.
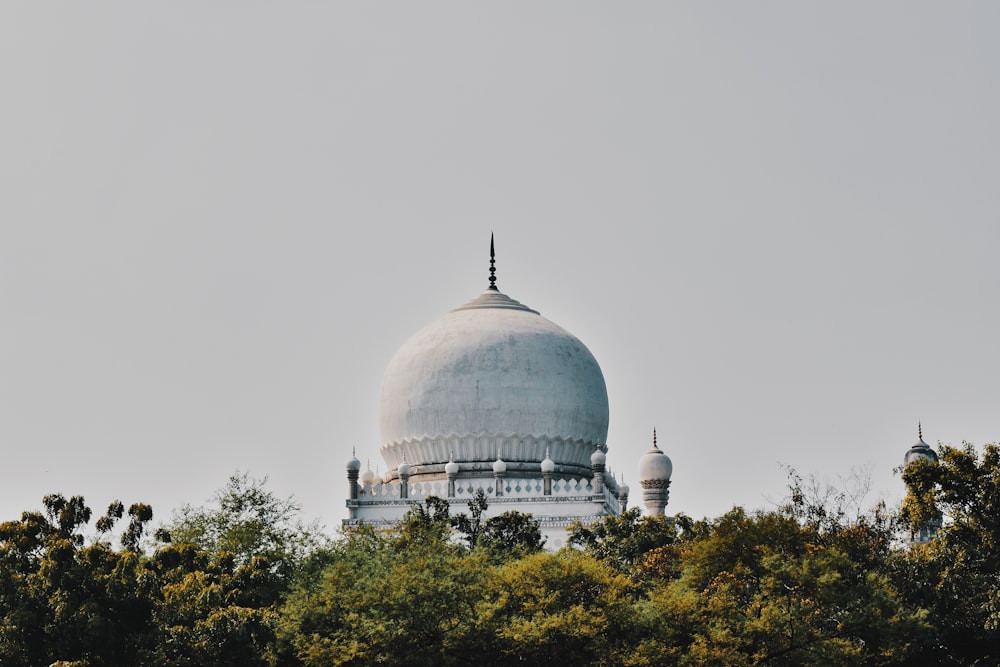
<point>377,603</point>
<point>554,608</point>
<point>818,580</point>
<point>764,589</point>
<point>957,575</point>
<point>211,610</point>
<point>470,525</point>
<point>511,535</point>
<point>247,521</point>
<point>67,602</point>
<point>62,600</point>
<point>636,545</point>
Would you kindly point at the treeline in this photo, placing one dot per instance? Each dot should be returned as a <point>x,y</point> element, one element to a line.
<point>243,582</point>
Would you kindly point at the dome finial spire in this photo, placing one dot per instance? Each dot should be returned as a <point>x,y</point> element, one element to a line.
<point>654,437</point>
<point>493,270</point>
<point>920,432</point>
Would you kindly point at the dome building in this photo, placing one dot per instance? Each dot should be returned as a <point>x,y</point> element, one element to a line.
<point>493,396</point>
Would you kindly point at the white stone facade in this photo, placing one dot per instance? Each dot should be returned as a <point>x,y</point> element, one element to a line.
<point>572,499</point>
<point>493,396</point>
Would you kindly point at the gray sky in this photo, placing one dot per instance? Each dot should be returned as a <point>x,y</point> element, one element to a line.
<point>774,224</point>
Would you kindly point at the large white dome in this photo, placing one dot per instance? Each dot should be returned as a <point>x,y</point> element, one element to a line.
<point>491,379</point>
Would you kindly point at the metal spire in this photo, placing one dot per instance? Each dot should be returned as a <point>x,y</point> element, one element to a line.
<point>654,438</point>
<point>493,270</point>
<point>920,432</point>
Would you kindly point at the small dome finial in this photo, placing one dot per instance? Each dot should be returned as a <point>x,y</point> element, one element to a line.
<point>499,466</point>
<point>920,432</point>
<point>548,466</point>
<point>493,270</point>
<point>354,464</point>
<point>451,468</point>
<point>654,438</point>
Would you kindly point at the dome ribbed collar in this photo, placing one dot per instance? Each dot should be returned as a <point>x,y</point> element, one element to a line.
<point>494,299</point>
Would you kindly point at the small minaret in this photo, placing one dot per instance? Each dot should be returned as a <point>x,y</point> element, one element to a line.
<point>451,470</point>
<point>404,479</point>
<point>353,468</point>
<point>923,452</point>
<point>598,460</point>
<point>623,494</point>
<point>655,469</point>
<point>499,469</point>
<point>367,477</point>
<point>548,466</point>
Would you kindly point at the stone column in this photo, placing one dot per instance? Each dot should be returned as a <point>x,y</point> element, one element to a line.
<point>655,493</point>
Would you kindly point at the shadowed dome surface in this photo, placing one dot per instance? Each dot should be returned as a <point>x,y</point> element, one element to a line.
<point>490,379</point>
<point>920,450</point>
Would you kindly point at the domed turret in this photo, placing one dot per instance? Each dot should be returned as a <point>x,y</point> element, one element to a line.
<point>451,468</point>
<point>655,466</point>
<point>493,373</point>
<point>499,466</point>
<point>547,465</point>
<point>598,458</point>
<point>623,491</point>
<point>368,475</point>
<point>921,450</point>
<point>655,469</point>
<point>353,466</point>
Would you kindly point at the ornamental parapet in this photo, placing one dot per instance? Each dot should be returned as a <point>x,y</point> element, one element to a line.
<point>514,490</point>
<point>466,488</point>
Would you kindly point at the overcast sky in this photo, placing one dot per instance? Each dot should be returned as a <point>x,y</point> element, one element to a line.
<point>775,225</point>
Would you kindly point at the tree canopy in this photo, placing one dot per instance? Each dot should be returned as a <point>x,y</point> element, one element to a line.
<point>242,580</point>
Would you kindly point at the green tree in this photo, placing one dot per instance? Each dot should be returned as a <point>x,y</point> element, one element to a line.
<point>62,600</point>
<point>505,535</point>
<point>212,611</point>
<point>246,520</point>
<point>400,598</point>
<point>957,575</point>
<point>555,608</point>
<point>511,534</point>
<point>471,525</point>
<point>764,589</point>
<point>631,543</point>
<point>424,523</point>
